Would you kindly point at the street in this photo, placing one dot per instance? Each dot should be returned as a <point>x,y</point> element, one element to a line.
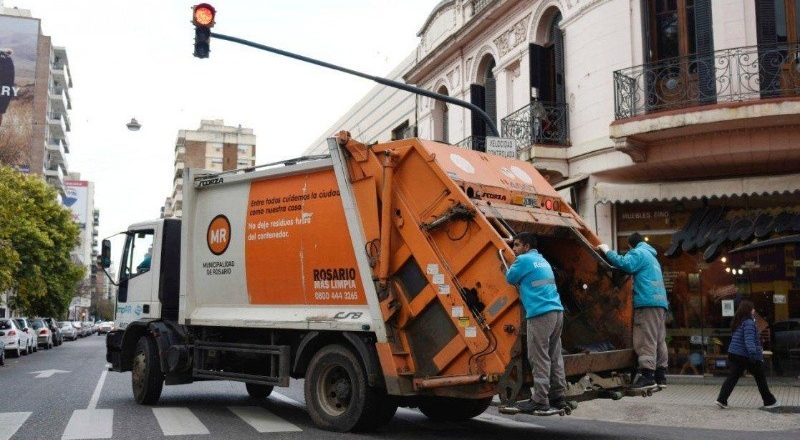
<point>66,393</point>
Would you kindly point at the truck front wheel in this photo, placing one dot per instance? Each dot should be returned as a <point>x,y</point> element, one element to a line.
<point>450,409</point>
<point>147,379</point>
<point>258,391</point>
<point>338,396</point>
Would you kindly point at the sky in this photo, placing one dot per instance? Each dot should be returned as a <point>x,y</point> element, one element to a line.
<point>134,59</point>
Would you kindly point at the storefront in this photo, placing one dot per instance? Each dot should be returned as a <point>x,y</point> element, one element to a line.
<point>715,253</point>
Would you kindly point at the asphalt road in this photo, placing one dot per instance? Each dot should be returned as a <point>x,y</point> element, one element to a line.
<point>83,400</point>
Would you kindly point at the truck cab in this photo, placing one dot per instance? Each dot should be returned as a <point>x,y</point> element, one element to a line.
<point>149,272</point>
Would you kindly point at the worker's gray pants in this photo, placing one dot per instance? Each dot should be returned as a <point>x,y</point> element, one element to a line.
<point>544,355</point>
<point>649,337</point>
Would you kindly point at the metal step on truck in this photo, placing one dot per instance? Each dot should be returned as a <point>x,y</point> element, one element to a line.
<point>375,273</point>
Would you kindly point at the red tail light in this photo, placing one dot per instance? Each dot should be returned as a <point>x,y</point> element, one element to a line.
<point>11,333</point>
<point>548,204</point>
<point>43,331</point>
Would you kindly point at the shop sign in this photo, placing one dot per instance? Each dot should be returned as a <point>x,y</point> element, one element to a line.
<point>778,299</point>
<point>708,228</point>
<point>727,308</point>
<point>501,147</point>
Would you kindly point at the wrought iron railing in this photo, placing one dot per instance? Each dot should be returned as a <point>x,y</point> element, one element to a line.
<point>477,143</point>
<point>545,123</point>
<point>728,75</point>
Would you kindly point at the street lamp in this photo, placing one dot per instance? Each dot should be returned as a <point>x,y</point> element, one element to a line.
<point>134,125</point>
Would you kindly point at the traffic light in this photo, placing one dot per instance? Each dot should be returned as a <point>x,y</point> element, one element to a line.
<point>203,20</point>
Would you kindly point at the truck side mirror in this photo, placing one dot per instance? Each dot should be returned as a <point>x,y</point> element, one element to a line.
<point>105,254</point>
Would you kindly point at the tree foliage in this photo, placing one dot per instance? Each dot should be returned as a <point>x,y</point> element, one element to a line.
<point>36,237</point>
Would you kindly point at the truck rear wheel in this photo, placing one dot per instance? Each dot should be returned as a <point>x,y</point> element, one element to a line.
<point>147,379</point>
<point>450,409</point>
<point>258,391</point>
<point>338,396</point>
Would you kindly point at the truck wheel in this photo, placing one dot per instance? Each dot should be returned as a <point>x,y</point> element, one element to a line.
<point>337,394</point>
<point>258,391</point>
<point>147,379</point>
<point>450,409</point>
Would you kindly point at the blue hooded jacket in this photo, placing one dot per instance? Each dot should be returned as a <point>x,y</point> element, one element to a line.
<point>745,341</point>
<point>648,281</point>
<point>537,284</point>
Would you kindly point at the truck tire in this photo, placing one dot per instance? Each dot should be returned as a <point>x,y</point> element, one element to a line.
<point>258,391</point>
<point>451,409</point>
<point>147,380</point>
<point>338,396</point>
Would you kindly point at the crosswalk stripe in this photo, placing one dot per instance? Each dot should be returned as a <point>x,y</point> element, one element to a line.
<point>11,422</point>
<point>262,420</point>
<point>179,421</point>
<point>89,423</point>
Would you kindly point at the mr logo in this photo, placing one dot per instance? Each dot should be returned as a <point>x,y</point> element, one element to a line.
<point>218,236</point>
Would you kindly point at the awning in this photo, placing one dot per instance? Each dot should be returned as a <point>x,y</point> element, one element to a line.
<point>696,189</point>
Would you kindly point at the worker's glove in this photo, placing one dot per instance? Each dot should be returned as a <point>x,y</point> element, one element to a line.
<point>604,248</point>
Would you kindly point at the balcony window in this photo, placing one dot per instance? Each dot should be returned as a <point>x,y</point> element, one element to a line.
<point>778,31</point>
<point>441,122</point>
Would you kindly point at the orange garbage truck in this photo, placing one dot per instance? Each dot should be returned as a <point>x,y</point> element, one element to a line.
<point>376,273</point>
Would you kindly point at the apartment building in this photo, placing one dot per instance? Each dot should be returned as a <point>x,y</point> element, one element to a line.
<point>213,146</point>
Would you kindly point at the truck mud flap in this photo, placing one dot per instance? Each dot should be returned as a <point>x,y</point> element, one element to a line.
<point>114,349</point>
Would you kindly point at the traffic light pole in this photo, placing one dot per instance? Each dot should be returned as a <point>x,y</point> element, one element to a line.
<point>387,82</point>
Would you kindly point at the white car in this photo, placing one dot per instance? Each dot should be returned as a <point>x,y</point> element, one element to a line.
<point>68,330</point>
<point>15,339</point>
<point>30,337</point>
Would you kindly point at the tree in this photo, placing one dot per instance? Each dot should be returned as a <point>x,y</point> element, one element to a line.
<point>36,237</point>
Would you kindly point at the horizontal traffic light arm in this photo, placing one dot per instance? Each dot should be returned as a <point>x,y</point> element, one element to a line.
<point>387,82</point>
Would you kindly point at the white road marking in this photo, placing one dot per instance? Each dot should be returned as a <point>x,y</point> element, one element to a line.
<point>179,421</point>
<point>89,423</point>
<point>262,420</point>
<point>47,373</point>
<point>11,422</point>
<point>286,399</point>
<point>97,389</point>
<point>488,418</point>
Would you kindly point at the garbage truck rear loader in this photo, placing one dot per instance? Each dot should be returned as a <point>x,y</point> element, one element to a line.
<point>377,274</point>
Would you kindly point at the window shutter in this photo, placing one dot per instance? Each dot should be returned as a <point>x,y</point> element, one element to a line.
<point>477,96</point>
<point>704,44</point>
<point>491,100</point>
<point>768,57</point>
<point>558,47</point>
<point>651,96</point>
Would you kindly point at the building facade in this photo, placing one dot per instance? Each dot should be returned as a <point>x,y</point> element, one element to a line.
<point>673,118</point>
<point>79,198</point>
<point>34,99</point>
<point>213,146</point>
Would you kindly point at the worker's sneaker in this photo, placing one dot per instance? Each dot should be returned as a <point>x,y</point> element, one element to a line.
<point>644,380</point>
<point>531,407</point>
<point>775,404</point>
<point>721,405</point>
<point>661,377</point>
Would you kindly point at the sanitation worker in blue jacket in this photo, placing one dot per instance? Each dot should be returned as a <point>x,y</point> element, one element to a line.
<point>545,318</point>
<point>649,309</point>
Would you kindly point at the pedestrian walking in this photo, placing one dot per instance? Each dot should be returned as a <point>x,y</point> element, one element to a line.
<point>650,307</point>
<point>544,319</point>
<point>745,353</point>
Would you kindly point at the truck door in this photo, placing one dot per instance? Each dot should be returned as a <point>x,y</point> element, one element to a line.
<point>137,276</point>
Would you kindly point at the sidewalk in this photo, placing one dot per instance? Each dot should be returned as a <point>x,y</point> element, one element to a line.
<point>692,406</point>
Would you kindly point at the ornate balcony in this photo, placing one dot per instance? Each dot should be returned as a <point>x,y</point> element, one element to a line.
<point>725,76</point>
<point>477,143</point>
<point>538,123</point>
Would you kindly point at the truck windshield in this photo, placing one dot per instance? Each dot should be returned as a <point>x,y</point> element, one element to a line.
<point>138,254</point>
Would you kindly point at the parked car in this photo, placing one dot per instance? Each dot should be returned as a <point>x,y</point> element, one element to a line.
<point>68,331</point>
<point>25,326</point>
<point>52,324</point>
<point>79,328</point>
<point>786,335</point>
<point>42,333</point>
<point>15,340</point>
<point>105,327</point>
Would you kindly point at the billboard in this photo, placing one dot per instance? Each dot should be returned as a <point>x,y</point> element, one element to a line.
<point>18,52</point>
<point>76,194</point>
